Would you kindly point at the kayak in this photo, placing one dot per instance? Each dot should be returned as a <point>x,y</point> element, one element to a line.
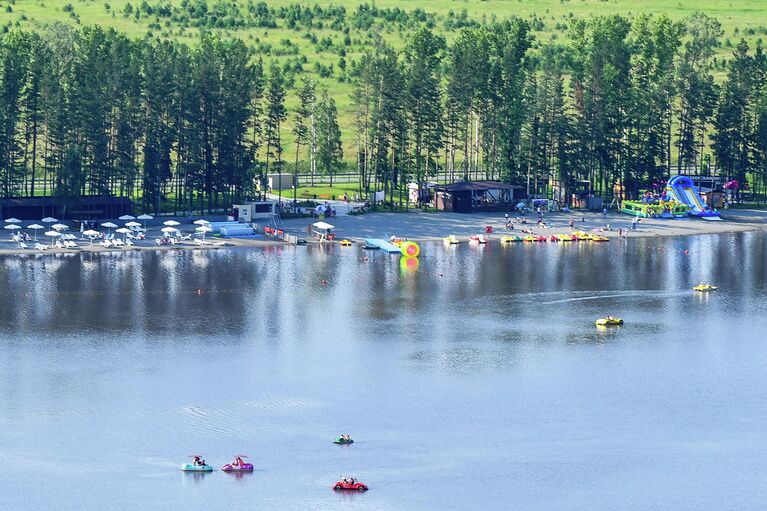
<point>609,322</point>
<point>191,467</point>
<point>247,467</point>
<point>343,441</point>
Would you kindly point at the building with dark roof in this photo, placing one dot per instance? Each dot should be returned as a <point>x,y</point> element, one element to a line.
<point>471,196</point>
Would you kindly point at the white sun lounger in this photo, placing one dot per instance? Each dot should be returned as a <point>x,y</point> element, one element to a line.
<point>23,245</point>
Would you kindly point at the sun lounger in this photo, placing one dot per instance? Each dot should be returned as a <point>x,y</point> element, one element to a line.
<point>186,237</point>
<point>129,242</point>
<point>41,247</point>
<point>118,242</point>
<point>23,245</point>
<point>106,243</point>
<point>198,242</point>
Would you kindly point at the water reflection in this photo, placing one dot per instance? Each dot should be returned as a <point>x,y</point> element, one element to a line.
<point>469,360</point>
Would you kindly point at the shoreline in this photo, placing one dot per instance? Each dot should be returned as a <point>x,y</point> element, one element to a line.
<point>433,227</point>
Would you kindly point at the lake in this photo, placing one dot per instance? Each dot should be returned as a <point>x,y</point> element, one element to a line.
<point>473,378</point>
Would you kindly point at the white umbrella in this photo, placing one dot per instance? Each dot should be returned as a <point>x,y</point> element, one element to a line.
<point>91,234</point>
<point>35,227</point>
<point>127,217</point>
<point>52,234</point>
<point>123,230</point>
<point>133,224</point>
<point>144,217</point>
<point>60,227</point>
<point>12,220</point>
<point>171,223</point>
<point>201,222</point>
<point>203,229</point>
<point>48,220</point>
<point>109,225</point>
<point>12,227</point>
<point>168,230</point>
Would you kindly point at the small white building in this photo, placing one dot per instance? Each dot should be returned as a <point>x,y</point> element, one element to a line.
<point>257,210</point>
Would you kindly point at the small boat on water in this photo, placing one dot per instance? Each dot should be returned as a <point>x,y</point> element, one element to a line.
<point>609,321</point>
<point>451,240</point>
<point>477,238</point>
<point>345,243</point>
<point>510,239</point>
<point>198,465</point>
<point>704,288</point>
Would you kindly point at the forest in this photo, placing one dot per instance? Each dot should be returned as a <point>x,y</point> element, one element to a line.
<point>177,126</point>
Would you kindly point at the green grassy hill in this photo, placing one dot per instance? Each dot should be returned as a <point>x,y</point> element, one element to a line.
<point>323,48</point>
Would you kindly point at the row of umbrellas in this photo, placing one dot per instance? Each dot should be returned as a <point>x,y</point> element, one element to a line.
<point>203,226</point>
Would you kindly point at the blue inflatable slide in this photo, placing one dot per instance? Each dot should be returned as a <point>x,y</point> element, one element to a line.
<point>682,189</point>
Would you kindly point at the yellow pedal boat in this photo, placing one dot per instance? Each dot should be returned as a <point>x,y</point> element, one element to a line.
<point>704,288</point>
<point>609,321</point>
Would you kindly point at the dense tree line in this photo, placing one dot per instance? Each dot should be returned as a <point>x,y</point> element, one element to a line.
<point>619,102</point>
<point>615,104</point>
<point>92,112</point>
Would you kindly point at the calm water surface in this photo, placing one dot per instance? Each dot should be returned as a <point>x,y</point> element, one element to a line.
<point>475,380</point>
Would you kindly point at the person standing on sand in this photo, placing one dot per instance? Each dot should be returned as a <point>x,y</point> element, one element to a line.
<point>604,213</point>
<point>634,223</point>
<point>571,223</point>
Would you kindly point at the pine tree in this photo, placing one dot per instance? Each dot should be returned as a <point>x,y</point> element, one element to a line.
<point>329,148</point>
<point>306,100</point>
<point>275,115</point>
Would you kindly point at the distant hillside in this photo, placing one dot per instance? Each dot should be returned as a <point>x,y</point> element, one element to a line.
<point>325,38</point>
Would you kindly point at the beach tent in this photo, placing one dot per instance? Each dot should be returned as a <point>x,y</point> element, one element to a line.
<point>321,230</point>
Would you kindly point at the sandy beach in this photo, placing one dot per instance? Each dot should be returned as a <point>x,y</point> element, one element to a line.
<point>419,226</point>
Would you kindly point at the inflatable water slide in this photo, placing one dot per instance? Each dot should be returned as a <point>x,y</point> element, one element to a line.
<point>682,189</point>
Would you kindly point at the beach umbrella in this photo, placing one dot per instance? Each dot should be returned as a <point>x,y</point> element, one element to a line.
<point>168,230</point>
<point>52,234</point>
<point>12,227</point>
<point>109,225</point>
<point>144,218</point>
<point>203,229</point>
<point>91,234</point>
<point>171,223</point>
<point>201,222</point>
<point>60,227</point>
<point>127,217</point>
<point>12,220</point>
<point>132,224</point>
<point>123,231</point>
<point>35,227</point>
<point>48,220</point>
